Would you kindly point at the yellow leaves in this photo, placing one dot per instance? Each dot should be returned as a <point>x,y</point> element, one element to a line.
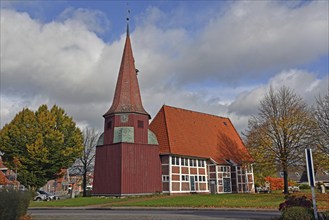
<point>37,150</point>
<point>43,142</point>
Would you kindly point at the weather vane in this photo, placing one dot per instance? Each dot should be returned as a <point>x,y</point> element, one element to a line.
<point>128,13</point>
<point>127,19</point>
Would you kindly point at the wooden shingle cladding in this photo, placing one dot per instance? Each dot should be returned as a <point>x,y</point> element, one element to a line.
<point>127,158</point>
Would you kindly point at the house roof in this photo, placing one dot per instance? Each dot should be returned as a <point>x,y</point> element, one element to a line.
<point>127,98</point>
<point>299,174</point>
<point>2,166</point>
<point>190,133</point>
<point>3,179</point>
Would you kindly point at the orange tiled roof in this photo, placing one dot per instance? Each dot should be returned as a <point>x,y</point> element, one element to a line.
<point>189,133</point>
<point>3,179</point>
<point>2,167</point>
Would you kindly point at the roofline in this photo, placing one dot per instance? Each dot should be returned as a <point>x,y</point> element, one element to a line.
<point>181,155</point>
<point>212,160</point>
<point>118,113</point>
<point>195,111</point>
<point>165,120</point>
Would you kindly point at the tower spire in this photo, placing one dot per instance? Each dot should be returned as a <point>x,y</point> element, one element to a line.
<point>127,98</point>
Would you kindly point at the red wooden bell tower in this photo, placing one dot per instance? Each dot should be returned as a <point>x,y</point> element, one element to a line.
<point>127,162</point>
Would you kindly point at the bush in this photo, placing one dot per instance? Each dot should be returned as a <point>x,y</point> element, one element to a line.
<point>304,186</point>
<point>292,201</point>
<point>275,183</point>
<point>297,213</point>
<point>324,215</point>
<point>13,204</point>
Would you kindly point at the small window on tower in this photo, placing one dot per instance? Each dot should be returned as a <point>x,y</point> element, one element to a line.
<point>109,125</point>
<point>140,124</point>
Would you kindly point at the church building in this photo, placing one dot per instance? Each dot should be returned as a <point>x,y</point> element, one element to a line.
<point>127,158</point>
<point>181,151</point>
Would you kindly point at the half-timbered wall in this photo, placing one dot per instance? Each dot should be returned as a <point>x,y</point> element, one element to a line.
<point>184,175</point>
<point>245,179</point>
<point>177,174</point>
<point>220,178</point>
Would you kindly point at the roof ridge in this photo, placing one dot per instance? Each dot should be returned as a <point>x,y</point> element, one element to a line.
<point>193,111</point>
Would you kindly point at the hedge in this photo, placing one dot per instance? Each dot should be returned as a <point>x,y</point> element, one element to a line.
<point>13,204</point>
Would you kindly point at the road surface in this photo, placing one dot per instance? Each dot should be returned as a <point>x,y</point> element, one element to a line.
<point>149,214</point>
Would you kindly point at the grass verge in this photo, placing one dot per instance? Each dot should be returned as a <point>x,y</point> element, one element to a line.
<point>262,201</point>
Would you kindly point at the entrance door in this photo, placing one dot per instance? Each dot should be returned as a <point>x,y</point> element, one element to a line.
<point>192,182</point>
<point>212,187</point>
<point>227,184</point>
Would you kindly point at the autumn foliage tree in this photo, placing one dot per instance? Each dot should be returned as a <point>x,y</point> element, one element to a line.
<point>39,144</point>
<point>281,130</point>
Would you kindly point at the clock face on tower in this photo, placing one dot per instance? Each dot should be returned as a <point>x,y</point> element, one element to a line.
<point>124,118</point>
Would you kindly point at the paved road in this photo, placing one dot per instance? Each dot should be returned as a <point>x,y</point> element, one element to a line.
<point>161,214</point>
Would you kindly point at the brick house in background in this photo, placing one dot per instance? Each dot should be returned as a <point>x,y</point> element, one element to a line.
<point>7,177</point>
<point>181,151</point>
<point>201,153</point>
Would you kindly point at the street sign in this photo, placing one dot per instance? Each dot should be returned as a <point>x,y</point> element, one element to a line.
<point>310,168</point>
<point>311,179</point>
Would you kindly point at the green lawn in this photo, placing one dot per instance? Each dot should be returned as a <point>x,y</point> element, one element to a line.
<point>266,201</point>
<point>79,201</point>
<point>223,200</point>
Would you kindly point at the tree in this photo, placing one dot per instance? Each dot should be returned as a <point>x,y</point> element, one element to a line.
<point>263,165</point>
<point>322,118</point>
<point>39,144</point>
<point>85,163</point>
<point>281,130</point>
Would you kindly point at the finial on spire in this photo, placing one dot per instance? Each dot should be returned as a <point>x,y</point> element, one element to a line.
<point>127,18</point>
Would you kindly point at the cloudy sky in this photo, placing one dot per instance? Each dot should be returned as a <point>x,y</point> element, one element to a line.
<point>218,57</point>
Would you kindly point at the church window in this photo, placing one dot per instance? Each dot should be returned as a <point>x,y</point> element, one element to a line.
<point>165,178</point>
<point>185,178</point>
<point>184,162</point>
<point>175,161</point>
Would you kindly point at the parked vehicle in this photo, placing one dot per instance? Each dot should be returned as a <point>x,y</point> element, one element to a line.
<point>44,196</point>
<point>49,195</point>
<point>41,197</point>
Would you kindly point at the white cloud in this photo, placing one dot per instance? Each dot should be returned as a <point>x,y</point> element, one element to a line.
<point>304,84</point>
<point>252,38</point>
<point>65,62</point>
<point>95,20</point>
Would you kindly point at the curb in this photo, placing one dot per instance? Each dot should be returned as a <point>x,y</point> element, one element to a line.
<point>152,208</point>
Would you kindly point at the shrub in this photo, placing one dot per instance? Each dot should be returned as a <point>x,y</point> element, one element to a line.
<point>304,186</point>
<point>292,201</point>
<point>13,204</point>
<point>297,213</point>
<point>276,183</point>
<point>324,215</point>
